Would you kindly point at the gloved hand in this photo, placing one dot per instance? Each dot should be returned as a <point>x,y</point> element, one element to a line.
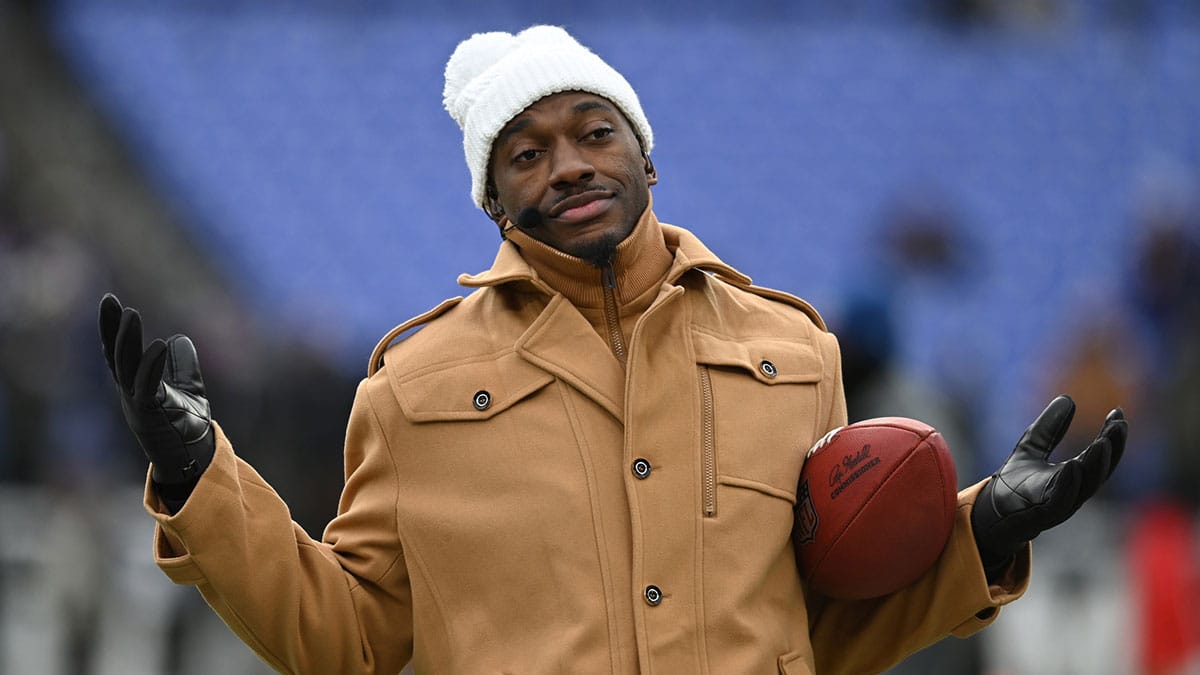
<point>1029,495</point>
<point>162,396</point>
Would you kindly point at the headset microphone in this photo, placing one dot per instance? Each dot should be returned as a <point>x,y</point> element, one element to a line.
<point>528,218</point>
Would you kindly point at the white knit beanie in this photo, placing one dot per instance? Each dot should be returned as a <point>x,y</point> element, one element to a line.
<point>492,77</point>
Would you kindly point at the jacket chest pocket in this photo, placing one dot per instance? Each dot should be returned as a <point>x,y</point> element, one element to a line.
<point>475,421</point>
<point>470,390</point>
<point>759,413</point>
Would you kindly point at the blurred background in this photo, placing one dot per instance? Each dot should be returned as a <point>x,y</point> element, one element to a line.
<point>990,201</point>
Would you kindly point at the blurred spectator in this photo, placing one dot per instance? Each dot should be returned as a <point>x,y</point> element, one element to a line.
<point>1165,297</point>
<point>56,425</point>
<point>923,236</point>
<point>1140,349</point>
<point>1018,13</point>
<point>1102,366</point>
<point>1181,401</point>
<point>904,348</point>
<point>932,265</point>
<point>1084,592</point>
<point>1166,306</point>
<point>877,385</point>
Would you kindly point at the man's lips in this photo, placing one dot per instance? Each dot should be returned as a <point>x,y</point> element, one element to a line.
<point>581,206</point>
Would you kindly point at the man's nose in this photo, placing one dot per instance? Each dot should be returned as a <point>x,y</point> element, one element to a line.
<point>569,167</point>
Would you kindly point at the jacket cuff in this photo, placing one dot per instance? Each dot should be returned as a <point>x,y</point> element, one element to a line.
<point>1009,586</point>
<point>170,552</point>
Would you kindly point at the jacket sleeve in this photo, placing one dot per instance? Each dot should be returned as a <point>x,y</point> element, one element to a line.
<point>868,636</point>
<point>342,605</point>
<point>953,597</point>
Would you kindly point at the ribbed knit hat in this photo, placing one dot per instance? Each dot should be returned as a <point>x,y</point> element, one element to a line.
<point>492,77</point>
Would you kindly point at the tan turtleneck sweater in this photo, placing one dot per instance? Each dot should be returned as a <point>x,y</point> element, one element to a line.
<point>639,268</point>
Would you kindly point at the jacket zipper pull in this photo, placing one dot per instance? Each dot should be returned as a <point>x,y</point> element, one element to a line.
<point>608,277</point>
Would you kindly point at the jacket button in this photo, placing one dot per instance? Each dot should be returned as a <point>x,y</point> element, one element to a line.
<point>768,368</point>
<point>653,595</point>
<point>482,400</point>
<point>641,468</point>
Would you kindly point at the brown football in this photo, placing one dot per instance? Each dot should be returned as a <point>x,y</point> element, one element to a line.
<point>874,507</point>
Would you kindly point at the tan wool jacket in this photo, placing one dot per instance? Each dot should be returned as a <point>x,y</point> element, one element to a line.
<point>521,497</point>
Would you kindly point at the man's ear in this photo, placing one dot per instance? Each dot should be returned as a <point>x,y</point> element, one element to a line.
<point>491,203</point>
<point>651,172</point>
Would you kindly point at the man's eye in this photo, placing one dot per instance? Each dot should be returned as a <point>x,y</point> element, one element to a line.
<point>602,132</point>
<point>527,156</point>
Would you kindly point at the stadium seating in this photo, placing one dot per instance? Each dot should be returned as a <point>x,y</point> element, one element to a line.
<point>309,152</point>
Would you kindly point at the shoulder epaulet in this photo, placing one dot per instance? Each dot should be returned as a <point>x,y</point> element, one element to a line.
<point>780,296</point>
<point>377,354</point>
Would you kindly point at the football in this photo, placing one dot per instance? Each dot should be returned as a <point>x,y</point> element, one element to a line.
<point>874,507</point>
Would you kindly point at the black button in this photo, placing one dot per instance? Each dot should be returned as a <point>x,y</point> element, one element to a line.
<point>641,468</point>
<point>482,400</point>
<point>653,595</point>
<point>768,368</point>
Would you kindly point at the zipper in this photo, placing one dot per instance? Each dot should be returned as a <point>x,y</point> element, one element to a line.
<point>708,445</point>
<point>612,318</point>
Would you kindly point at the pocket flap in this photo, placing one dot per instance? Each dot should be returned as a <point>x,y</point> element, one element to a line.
<point>771,360</point>
<point>475,389</point>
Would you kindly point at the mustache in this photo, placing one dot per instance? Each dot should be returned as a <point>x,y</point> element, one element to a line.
<point>576,191</point>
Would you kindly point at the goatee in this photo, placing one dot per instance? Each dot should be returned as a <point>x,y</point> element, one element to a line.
<point>600,251</point>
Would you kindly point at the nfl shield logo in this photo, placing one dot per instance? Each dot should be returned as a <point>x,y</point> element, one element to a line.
<point>806,515</point>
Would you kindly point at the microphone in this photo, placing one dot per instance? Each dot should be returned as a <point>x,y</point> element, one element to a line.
<point>528,218</point>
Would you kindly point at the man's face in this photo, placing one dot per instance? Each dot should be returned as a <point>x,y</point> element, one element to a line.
<point>575,158</point>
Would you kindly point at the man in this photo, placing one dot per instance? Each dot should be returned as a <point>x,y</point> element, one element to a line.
<point>587,465</point>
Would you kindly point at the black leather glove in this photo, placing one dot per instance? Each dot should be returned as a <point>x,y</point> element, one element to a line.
<point>162,396</point>
<point>1029,495</point>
